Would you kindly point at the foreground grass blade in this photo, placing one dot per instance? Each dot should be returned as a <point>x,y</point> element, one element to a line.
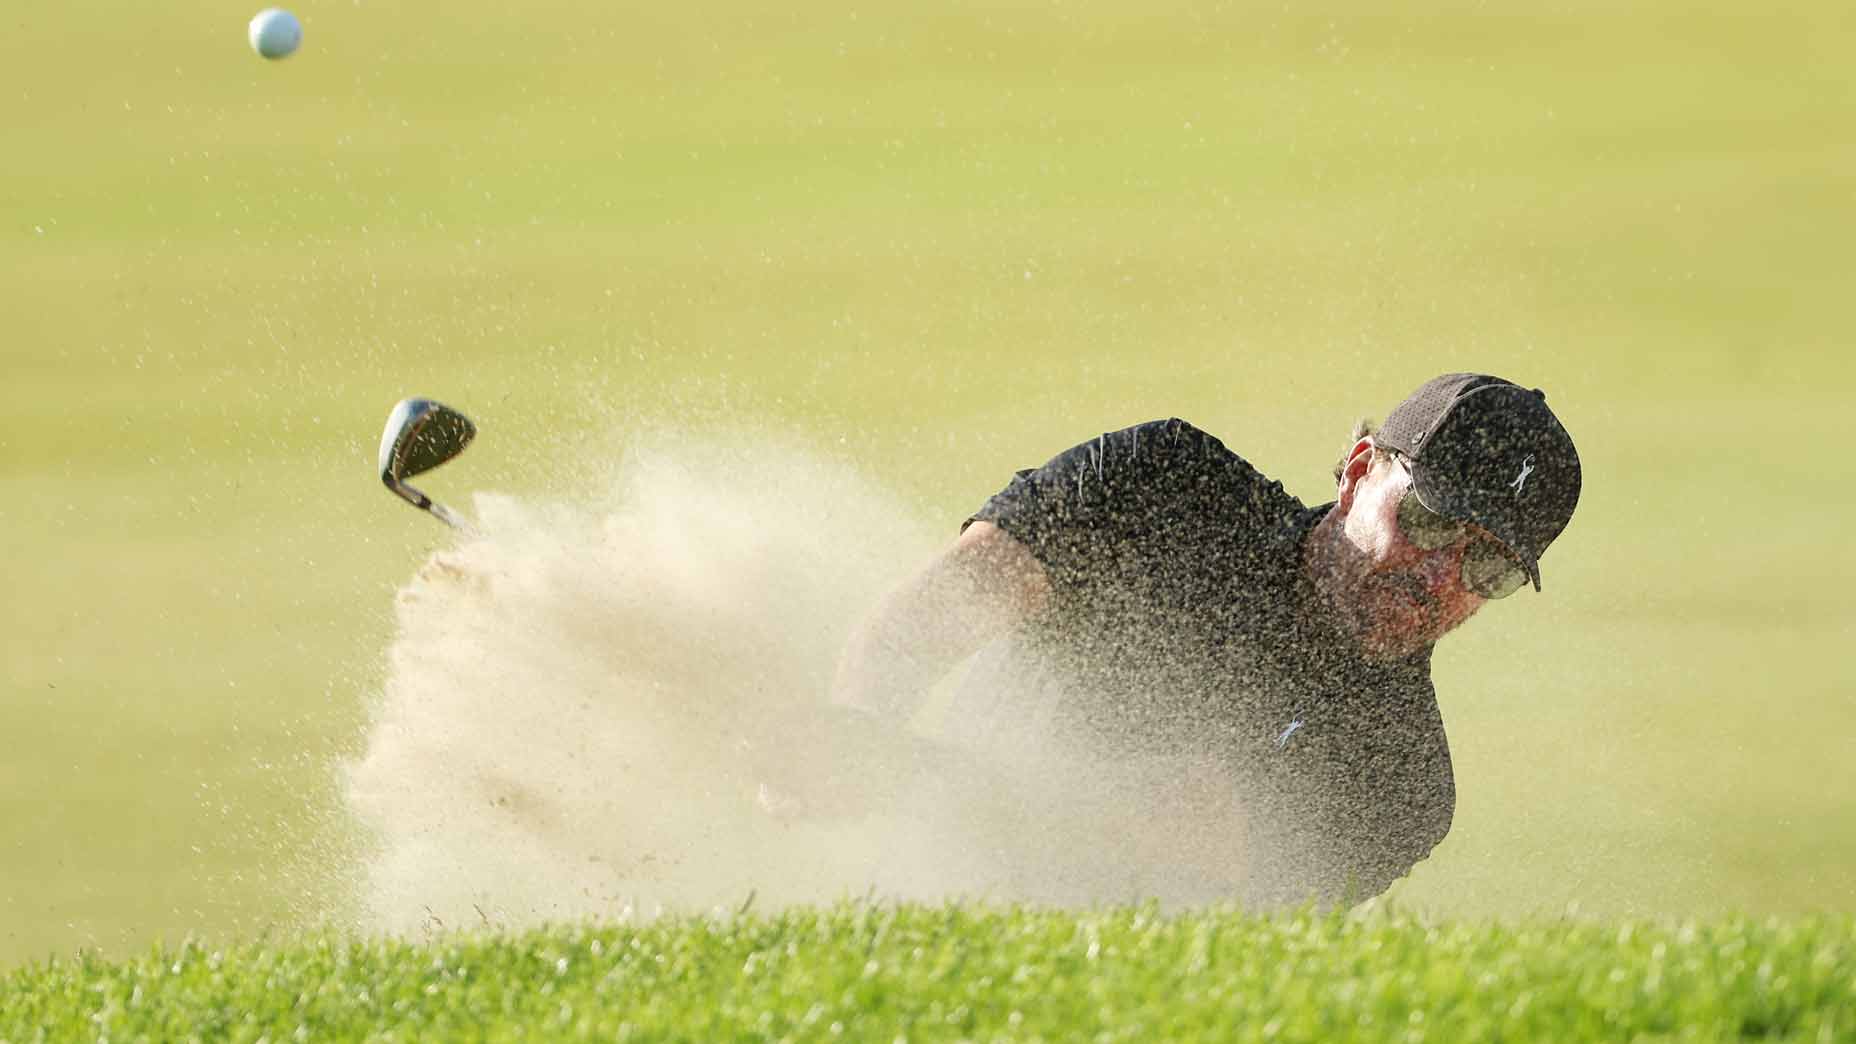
<point>975,973</point>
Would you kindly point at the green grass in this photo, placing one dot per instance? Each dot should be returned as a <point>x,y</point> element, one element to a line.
<point>882,973</point>
<point>957,239</point>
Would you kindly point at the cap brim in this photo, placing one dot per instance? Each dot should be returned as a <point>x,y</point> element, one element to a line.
<point>1436,492</point>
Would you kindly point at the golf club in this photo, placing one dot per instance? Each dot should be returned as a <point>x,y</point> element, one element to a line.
<point>422,434</point>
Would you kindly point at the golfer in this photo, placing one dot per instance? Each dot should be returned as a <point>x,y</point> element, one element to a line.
<point>1149,593</point>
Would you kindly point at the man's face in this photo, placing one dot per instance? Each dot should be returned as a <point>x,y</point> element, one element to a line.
<point>1395,597</point>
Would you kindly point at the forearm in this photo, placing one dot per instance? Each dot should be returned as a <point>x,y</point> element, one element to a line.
<point>980,588</point>
<point>898,653</point>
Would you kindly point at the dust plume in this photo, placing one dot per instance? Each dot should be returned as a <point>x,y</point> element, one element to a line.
<point>585,704</point>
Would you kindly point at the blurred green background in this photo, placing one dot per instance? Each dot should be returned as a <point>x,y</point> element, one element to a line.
<point>945,240</point>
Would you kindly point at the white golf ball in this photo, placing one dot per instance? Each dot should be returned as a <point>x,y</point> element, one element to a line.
<point>275,33</point>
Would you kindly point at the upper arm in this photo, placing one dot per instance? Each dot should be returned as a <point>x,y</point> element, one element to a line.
<point>982,586</point>
<point>999,569</point>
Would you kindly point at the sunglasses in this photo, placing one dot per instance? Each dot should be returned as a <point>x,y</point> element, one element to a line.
<point>1488,569</point>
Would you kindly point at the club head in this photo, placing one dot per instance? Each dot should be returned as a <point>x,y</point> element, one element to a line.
<point>421,434</point>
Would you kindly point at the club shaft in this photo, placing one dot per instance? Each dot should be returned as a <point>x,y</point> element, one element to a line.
<point>424,503</point>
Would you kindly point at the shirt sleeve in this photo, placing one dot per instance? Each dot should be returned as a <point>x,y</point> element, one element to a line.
<point>1101,499</point>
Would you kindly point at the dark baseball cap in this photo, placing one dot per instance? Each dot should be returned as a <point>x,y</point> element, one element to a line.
<point>1488,451</point>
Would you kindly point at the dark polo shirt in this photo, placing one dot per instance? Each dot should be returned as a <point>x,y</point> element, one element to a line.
<point>1183,622</point>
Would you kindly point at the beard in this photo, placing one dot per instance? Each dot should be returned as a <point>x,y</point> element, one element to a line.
<point>1394,615</point>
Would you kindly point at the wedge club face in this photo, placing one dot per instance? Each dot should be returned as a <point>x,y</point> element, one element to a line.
<point>420,435</point>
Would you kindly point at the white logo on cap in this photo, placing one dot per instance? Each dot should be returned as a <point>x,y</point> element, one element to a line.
<point>1520,481</point>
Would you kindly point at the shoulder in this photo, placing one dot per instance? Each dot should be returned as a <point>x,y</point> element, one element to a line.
<point>1172,433</point>
<point>1184,462</point>
<point>1159,468</point>
<point>1223,474</point>
<point>1167,443</point>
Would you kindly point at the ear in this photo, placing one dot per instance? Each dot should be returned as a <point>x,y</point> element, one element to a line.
<point>1353,472</point>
